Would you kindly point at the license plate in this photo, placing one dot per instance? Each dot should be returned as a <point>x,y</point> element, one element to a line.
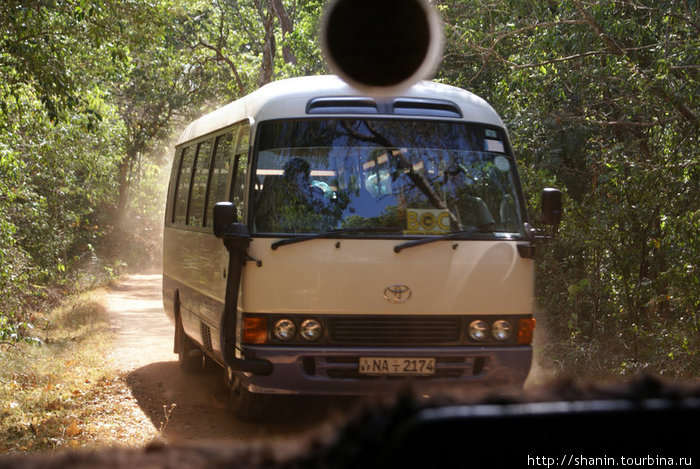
<point>397,366</point>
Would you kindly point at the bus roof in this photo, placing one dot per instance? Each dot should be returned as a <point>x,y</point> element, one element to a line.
<point>329,96</point>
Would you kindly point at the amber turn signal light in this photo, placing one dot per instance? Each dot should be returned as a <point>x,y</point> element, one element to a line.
<point>254,330</point>
<point>526,328</point>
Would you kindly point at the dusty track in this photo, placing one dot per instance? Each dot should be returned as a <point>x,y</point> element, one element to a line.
<point>143,352</point>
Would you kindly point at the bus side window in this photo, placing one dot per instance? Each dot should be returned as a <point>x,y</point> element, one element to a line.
<point>199,184</point>
<point>220,169</point>
<point>244,139</point>
<point>238,187</point>
<point>182,191</point>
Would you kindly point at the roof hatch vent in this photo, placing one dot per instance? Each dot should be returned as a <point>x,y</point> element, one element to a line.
<point>342,105</point>
<point>426,107</point>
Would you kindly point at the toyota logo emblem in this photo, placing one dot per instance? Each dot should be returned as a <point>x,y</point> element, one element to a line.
<point>397,293</point>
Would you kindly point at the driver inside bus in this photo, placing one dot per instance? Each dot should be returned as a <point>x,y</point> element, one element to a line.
<point>289,203</point>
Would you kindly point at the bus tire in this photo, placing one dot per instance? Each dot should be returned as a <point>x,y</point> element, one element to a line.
<point>247,406</point>
<point>210,365</point>
<point>188,354</point>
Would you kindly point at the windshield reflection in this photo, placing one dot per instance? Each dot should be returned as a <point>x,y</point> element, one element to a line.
<point>423,178</point>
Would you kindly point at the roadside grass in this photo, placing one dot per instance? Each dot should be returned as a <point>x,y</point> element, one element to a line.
<point>66,393</point>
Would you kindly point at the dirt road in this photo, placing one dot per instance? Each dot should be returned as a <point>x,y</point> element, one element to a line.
<point>143,351</point>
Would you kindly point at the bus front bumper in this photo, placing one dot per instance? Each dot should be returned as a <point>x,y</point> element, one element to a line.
<point>335,371</point>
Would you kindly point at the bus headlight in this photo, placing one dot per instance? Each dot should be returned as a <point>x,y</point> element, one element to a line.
<point>285,329</point>
<point>310,329</point>
<point>478,330</point>
<point>501,330</point>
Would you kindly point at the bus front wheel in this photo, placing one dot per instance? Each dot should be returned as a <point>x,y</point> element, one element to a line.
<point>247,406</point>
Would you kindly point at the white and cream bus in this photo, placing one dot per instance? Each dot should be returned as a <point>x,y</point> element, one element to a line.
<point>321,241</point>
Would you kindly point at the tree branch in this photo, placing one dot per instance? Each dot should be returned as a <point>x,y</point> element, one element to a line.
<point>287,28</point>
<point>222,58</point>
<point>669,98</point>
<point>625,123</point>
<point>563,59</point>
<point>617,50</point>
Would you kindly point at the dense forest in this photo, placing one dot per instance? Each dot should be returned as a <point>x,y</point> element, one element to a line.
<point>602,100</point>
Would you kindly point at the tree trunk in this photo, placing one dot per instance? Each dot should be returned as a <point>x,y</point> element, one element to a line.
<point>287,28</point>
<point>267,68</point>
<point>124,185</point>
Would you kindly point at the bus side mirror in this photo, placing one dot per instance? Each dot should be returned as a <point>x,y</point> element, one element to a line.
<point>551,206</point>
<point>225,215</point>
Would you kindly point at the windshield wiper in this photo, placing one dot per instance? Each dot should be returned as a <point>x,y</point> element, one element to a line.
<point>334,234</point>
<point>432,239</point>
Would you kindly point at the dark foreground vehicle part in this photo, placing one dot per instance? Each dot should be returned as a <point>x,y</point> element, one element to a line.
<point>595,433</point>
<point>644,423</point>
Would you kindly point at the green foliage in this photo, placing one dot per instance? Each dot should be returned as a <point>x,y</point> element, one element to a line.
<point>12,331</point>
<point>250,43</point>
<point>90,94</point>
<point>159,85</point>
<point>59,143</point>
<point>602,101</point>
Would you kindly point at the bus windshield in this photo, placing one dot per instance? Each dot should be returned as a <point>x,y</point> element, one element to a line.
<point>426,178</point>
